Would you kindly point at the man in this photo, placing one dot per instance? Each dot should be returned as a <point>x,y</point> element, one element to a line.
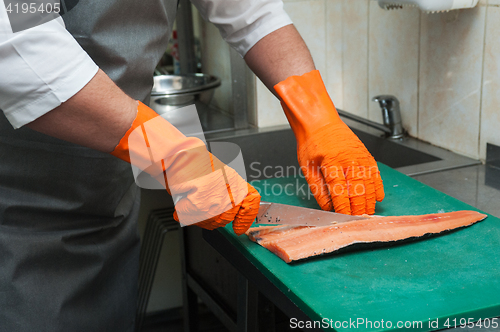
<point>68,238</point>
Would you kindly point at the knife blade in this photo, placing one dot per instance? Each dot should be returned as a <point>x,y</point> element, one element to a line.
<point>282,214</point>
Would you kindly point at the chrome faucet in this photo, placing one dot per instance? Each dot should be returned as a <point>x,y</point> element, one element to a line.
<point>391,115</point>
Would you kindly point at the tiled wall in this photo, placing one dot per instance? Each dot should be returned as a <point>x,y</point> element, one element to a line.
<point>444,68</point>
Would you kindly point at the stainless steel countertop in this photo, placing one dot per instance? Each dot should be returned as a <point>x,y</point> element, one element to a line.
<point>477,185</point>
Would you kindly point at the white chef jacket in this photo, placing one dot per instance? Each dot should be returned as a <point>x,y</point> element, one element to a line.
<point>44,66</point>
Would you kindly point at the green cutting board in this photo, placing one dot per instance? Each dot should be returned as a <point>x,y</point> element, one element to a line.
<point>439,281</point>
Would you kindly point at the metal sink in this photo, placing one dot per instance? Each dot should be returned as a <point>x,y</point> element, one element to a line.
<point>408,155</point>
<point>271,152</point>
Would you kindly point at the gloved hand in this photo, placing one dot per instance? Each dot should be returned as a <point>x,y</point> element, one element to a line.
<point>212,194</point>
<point>340,171</point>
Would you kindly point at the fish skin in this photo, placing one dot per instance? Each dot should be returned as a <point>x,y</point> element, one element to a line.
<point>292,243</point>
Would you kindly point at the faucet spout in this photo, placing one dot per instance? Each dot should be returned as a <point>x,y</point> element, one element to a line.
<point>391,115</point>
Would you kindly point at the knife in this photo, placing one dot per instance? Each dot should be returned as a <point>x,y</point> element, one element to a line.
<point>279,214</point>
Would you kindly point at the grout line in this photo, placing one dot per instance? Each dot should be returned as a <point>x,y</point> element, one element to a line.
<point>368,61</point>
<point>418,70</point>
<point>341,93</point>
<point>481,86</point>
<point>342,65</point>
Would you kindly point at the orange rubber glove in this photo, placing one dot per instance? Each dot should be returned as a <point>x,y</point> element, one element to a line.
<point>340,171</point>
<point>212,193</point>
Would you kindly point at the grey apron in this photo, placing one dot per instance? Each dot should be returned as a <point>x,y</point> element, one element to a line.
<point>69,244</point>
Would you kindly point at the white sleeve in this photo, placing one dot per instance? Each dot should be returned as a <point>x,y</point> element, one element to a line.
<point>40,68</point>
<point>242,23</point>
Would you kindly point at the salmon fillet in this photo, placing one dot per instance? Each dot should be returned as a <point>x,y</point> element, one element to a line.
<point>292,243</point>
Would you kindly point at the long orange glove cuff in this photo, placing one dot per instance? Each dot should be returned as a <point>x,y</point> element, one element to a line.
<point>213,194</point>
<point>340,171</point>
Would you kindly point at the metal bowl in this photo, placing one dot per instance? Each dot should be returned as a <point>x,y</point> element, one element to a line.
<point>171,92</point>
<point>183,84</point>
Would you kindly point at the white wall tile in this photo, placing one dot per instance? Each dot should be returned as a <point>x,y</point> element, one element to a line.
<point>393,61</point>
<point>490,112</point>
<point>333,75</point>
<point>451,47</point>
<point>269,111</point>
<point>309,18</point>
<point>355,56</point>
